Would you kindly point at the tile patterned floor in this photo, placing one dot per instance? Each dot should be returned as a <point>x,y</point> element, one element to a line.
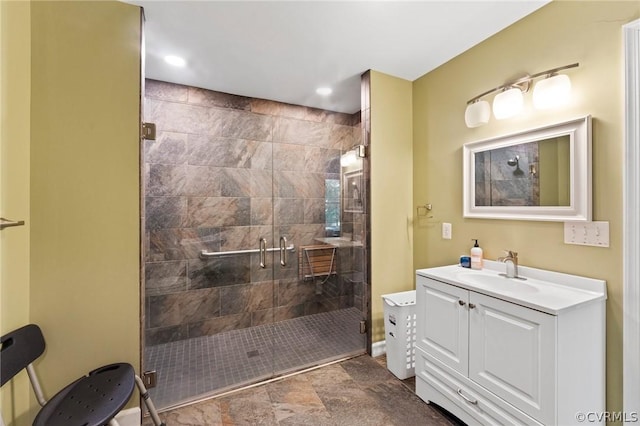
<point>356,392</point>
<point>189,369</point>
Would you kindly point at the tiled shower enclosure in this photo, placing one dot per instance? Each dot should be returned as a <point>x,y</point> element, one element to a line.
<point>224,172</point>
<point>526,174</point>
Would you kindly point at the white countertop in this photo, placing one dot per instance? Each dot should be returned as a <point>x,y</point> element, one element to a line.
<point>546,291</point>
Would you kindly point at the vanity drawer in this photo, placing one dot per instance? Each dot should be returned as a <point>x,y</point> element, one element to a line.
<point>434,380</point>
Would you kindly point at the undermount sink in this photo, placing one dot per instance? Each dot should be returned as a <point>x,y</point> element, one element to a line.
<point>496,282</point>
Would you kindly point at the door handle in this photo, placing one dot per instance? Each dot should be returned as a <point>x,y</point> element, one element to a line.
<point>283,251</point>
<point>7,223</point>
<point>263,253</point>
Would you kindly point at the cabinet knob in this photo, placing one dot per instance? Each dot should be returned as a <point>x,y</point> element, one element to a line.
<point>461,302</point>
<point>471,305</point>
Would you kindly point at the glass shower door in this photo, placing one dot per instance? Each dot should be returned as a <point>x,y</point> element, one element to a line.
<point>253,253</point>
<point>318,302</point>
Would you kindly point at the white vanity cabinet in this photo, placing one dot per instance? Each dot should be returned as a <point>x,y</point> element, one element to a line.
<point>531,353</point>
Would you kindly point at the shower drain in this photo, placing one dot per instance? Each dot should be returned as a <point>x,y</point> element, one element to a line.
<point>251,354</point>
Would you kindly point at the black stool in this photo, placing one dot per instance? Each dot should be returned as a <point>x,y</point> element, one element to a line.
<point>92,400</point>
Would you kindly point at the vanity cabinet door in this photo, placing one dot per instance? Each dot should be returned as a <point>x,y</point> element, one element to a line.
<point>512,354</point>
<point>443,323</point>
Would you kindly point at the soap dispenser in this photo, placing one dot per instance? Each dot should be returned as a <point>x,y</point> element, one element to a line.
<point>476,255</point>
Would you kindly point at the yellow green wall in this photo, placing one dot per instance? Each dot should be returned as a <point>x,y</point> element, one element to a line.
<point>85,269</point>
<point>553,172</point>
<point>391,192</point>
<point>558,34</point>
<point>82,184</point>
<point>15,82</point>
<point>564,180</point>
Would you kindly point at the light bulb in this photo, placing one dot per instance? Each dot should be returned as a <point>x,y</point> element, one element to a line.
<point>477,114</point>
<point>552,92</point>
<point>508,103</point>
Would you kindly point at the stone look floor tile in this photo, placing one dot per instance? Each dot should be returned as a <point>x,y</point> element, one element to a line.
<point>203,413</point>
<point>356,392</point>
<point>332,374</point>
<point>365,371</point>
<point>248,407</point>
<point>405,407</point>
<point>351,405</point>
<point>296,402</point>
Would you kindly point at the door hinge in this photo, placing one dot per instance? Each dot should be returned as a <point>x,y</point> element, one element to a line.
<point>363,327</point>
<point>150,379</point>
<point>149,131</point>
<point>361,151</point>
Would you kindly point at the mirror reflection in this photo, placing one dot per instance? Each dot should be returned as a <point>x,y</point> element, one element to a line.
<point>537,174</point>
<point>529,174</point>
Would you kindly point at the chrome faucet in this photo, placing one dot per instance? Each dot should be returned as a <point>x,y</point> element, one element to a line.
<point>511,258</point>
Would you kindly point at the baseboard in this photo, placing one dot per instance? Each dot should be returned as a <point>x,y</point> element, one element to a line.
<point>129,417</point>
<point>379,348</point>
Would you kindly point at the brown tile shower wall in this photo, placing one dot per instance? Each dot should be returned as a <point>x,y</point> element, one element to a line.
<point>223,172</point>
<point>499,183</point>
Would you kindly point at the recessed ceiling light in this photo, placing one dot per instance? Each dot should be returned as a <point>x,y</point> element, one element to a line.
<point>324,91</point>
<point>176,61</point>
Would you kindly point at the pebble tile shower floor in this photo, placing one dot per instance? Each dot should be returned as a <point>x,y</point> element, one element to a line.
<point>189,369</point>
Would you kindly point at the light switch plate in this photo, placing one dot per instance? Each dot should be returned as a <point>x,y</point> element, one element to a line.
<point>446,231</point>
<point>587,233</point>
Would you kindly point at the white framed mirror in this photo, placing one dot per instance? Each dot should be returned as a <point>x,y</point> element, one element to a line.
<point>538,174</point>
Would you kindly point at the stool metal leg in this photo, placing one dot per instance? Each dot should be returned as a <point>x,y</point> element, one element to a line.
<point>35,384</point>
<point>148,402</point>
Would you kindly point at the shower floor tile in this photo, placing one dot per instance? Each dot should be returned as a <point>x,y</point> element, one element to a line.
<point>191,369</point>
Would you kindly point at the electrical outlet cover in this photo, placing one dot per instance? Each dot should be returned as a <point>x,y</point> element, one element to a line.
<point>446,231</point>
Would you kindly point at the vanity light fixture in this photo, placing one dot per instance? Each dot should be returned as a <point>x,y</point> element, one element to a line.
<point>552,91</point>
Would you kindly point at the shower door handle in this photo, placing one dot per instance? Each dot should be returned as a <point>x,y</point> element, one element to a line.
<point>263,253</point>
<point>283,251</point>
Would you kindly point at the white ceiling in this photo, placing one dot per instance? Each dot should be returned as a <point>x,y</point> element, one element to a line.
<point>284,50</point>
